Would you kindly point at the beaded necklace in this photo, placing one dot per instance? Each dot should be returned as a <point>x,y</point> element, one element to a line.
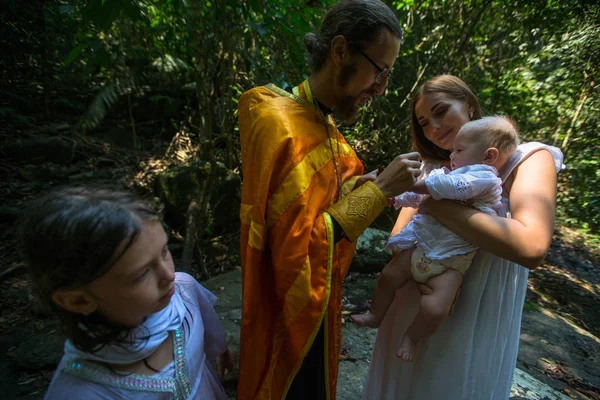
<point>179,385</point>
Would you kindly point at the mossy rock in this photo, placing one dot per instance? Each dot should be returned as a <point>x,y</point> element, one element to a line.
<point>176,187</point>
<point>371,255</point>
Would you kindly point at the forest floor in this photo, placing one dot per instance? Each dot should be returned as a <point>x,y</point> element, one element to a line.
<point>560,335</point>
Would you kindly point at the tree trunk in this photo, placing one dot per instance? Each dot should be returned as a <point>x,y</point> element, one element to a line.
<point>585,92</point>
<point>132,121</point>
<point>422,71</point>
<point>466,36</point>
<point>206,74</point>
<point>189,242</point>
<point>46,69</point>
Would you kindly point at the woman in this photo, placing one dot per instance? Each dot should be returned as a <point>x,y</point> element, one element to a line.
<point>473,355</point>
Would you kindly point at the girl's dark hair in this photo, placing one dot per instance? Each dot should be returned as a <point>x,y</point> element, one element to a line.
<point>453,87</point>
<point>71,237</point>
<point>359,21</point>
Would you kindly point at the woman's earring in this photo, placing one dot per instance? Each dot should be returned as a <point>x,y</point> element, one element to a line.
<point>471,115</point>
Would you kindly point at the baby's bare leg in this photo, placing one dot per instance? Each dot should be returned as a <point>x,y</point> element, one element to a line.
<point>393,276</point>
<point>433,311</point>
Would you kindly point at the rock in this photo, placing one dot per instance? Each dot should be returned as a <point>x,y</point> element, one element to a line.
<point>162,104</point>
<point>103,162</point>
<point>371,255</point>
<point>386,219</point>
<point>527,387</point>
<point>234,315</point>
<point>62,127</point>
<point>40,150</point>
<point>176,187</point>
<point>39,351</point>
<point>357,344</point>
<point>228,288</point>
<point>45,172</point>
<point>225,201</point>
<point>54,128</point>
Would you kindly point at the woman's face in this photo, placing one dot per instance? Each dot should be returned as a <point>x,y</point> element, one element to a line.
<point>441,117</point>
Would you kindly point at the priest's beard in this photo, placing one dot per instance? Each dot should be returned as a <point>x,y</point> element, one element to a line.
<point>346,108</point>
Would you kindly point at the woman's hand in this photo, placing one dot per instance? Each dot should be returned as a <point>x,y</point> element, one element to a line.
<point>225,363</point>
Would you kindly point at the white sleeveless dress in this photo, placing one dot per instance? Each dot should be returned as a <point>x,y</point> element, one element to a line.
<point>474,353</point>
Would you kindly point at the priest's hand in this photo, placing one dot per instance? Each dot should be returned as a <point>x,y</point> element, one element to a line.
<point>370,177</point>
<point>400,175</point>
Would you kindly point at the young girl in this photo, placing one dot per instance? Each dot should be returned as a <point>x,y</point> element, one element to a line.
<point>439,256</point>
<point>135,328</point>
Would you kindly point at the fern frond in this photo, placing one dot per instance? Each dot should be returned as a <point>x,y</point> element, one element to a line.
<point>100,106</point>
<point>168,63</point>
<point>105,99</point>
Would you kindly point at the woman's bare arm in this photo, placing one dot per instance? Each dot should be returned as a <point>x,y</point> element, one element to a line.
<point>526,237</point>
<point>406,214</point>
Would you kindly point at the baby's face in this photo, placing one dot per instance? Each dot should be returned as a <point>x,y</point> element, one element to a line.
<point>469,148</point>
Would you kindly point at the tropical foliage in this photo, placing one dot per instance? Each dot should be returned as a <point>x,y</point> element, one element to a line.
<point>179,66</point>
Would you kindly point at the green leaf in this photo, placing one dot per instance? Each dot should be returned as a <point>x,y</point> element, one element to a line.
<point>102,13</point>
<point>102,58</point>
<point>134,11</point>
<point>65,9</point>
<point>168,63</point>
<point>73,54</point>
<point>256,6</point>
<point>258,28</point>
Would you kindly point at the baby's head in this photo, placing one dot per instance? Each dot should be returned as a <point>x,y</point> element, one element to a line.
<point>489,140</point>
<point>98,258</point>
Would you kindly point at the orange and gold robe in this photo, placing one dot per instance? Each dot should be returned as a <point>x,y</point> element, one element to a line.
<point>292,270</point>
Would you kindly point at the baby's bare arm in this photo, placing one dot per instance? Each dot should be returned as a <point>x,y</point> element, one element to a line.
<point>420,187</point>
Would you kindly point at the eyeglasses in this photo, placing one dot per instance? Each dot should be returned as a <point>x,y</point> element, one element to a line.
<point>382,74</point>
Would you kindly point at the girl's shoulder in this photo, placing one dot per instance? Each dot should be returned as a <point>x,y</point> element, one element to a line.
<point>185,278</point>
<point>191,288</point>
<point>65,386</point>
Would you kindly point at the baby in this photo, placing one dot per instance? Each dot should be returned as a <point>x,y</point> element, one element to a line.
<point>437,255</point>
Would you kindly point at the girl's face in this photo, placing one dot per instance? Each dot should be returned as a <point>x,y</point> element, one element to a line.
<point>140,283</point>
<point>441,117</point>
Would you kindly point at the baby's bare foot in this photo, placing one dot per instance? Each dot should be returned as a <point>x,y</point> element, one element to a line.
<point>369,320</point>
<point>407,348</point>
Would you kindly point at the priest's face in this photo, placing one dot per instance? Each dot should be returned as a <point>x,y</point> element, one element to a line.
<point>363,74</point>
